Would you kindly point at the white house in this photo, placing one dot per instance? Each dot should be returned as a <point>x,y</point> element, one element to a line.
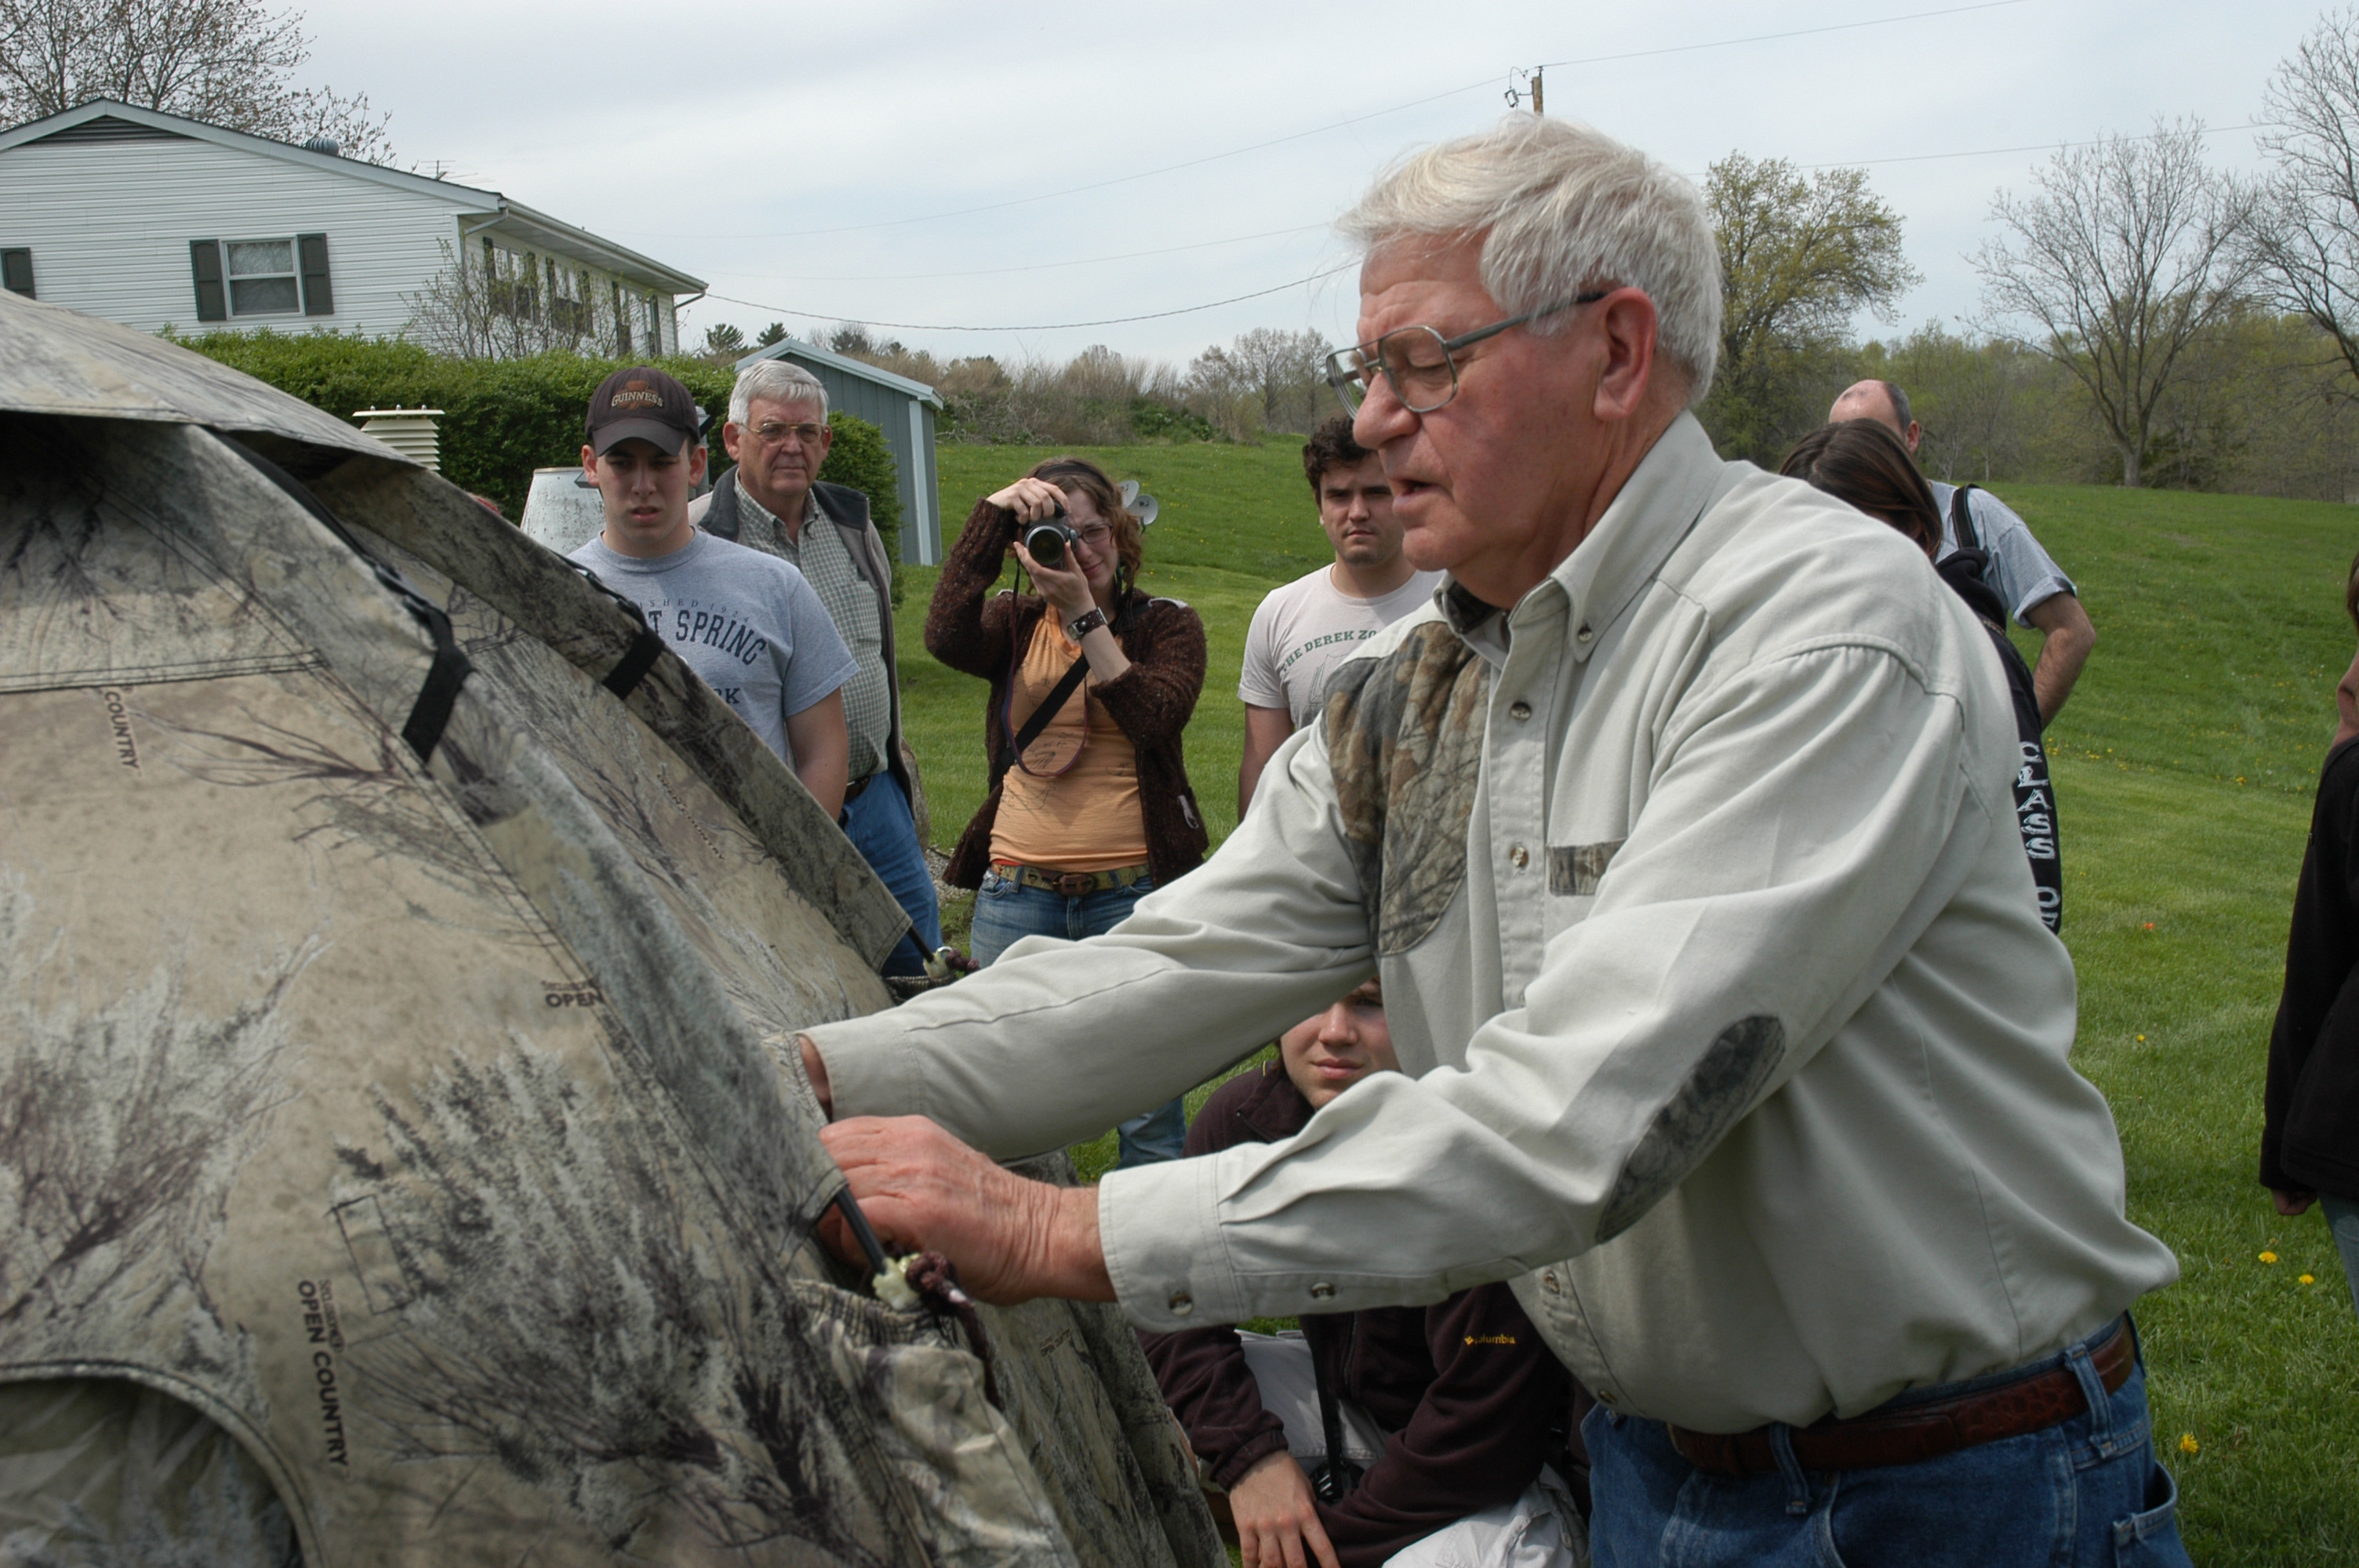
<point>154,220</point>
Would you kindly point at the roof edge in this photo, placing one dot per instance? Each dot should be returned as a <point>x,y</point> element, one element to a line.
<point>849,366</point>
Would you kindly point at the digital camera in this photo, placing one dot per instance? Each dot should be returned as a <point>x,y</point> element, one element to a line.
<point>1048,540</point>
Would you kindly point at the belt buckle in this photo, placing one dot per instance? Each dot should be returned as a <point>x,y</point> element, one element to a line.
<point>1077,884</point>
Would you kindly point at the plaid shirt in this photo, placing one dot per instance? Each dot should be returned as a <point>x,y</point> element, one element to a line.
<point>851,603</point>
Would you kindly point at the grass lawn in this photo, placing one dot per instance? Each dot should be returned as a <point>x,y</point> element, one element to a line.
<point>2184,768</point>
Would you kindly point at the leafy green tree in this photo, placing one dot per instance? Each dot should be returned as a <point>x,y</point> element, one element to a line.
<point>723,338</point>
<point>776,332</point>
<point>1799,257</point>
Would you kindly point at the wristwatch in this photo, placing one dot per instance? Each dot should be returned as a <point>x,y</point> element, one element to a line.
<point>1087,622</point>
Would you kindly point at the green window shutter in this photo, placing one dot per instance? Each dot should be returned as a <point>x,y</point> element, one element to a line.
<point>16,272</point>
<point>205,263</point>
<point>311,260</point>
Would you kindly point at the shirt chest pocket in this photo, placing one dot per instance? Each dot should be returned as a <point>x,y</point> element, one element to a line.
<point>1574,872</point>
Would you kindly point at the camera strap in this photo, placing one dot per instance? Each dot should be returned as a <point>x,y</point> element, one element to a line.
<point>1058,695</point>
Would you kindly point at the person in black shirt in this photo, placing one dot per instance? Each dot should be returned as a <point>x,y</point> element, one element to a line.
<point>2309,1128</point>
<point>1861,462</point>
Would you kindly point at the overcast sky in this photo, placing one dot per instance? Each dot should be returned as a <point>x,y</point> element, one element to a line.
<point>900,162</point>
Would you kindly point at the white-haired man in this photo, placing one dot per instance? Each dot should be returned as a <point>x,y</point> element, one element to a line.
<point>1680,833</point>
<point>2033,587</point>
<point>774,501</point>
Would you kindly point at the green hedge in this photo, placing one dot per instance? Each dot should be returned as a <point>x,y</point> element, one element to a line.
<point>503,418</point>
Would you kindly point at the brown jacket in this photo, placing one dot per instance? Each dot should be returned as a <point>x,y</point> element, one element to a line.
<point>975,631</point>
<point>1472,1396</point>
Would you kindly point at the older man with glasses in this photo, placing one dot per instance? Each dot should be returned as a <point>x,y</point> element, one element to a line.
<point>1679,830</point>
<point>774,501</point>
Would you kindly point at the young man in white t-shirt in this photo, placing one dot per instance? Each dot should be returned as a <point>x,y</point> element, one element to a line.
<point>1305,629</point>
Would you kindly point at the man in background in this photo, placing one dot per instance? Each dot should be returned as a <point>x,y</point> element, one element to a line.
<point>2034,588</point>
<point>773,502</point>
<point>746,623</point>
<point>1302,630</point>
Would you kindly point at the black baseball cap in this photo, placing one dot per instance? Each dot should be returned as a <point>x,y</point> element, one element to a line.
<point>641,403</point>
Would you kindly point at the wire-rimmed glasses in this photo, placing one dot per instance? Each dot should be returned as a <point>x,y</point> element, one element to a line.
<point>1418,361</point>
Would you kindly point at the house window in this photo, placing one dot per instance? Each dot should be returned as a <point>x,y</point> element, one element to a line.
<point>569,315</point>
<point>262,277</point>
<point>16,271</point>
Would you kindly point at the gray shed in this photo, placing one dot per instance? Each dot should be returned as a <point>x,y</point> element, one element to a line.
<point>904,410</point>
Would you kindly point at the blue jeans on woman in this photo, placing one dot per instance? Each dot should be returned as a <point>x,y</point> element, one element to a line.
<point>1005,911</point>
<point>2086,1492</point>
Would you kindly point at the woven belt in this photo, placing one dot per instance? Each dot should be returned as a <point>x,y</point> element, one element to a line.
<point>1073,884</point>
<point>2032,1403</point>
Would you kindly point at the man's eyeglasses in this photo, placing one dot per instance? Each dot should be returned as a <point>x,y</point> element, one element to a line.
<point>769,432</point>
<point>1419,362</point>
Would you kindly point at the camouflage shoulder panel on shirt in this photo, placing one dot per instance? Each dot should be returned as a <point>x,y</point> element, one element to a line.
<point>1405,745</point>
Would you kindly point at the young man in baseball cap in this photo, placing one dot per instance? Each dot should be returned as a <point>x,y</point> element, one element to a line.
<point>744,620</point>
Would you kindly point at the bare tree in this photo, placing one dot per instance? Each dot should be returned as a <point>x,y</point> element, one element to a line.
<point>2306,232</point>
<point>227,62</point>
<point>1265,379</point>
<point>501,307</point>
<point>2131,249</point>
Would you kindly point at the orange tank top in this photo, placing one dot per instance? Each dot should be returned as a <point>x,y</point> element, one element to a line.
<point>1086,818</point>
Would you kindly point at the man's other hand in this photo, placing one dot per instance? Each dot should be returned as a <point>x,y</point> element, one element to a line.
<point>1277,1518</point>
<point>1010,1238</point>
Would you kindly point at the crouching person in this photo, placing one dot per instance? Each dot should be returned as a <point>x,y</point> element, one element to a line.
<point>1444,1416</point>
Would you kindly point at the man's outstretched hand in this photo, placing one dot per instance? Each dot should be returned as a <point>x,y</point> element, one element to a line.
<point>1011,1239</point>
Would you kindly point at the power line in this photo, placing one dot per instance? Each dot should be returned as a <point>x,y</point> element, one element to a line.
<point>1791,33</point>
<point>2032,147</point>
<point>1034,267</point>
<point>1334,125</point>
<point>1046,327</point>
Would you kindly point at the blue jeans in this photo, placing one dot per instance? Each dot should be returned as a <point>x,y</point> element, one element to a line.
<point>2342,1219</point>
<point>2086,1492</point>
<point>879,825</point>
<point>1007,911</point>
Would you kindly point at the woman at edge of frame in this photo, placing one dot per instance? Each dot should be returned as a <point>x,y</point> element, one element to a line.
<point>1099,811</point>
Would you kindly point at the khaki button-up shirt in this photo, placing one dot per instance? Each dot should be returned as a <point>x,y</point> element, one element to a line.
<point>1730,1031</point>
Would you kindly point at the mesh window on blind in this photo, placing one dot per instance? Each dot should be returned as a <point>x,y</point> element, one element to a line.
<point>16,271</point>
<point>262,277</point>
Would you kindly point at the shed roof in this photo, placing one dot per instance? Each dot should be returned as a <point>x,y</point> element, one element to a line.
<point>851,367</point>
<point>105,120</point>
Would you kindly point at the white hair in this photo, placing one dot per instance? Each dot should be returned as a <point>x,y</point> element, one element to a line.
<point>780,381</point>
<point>1561,209</point>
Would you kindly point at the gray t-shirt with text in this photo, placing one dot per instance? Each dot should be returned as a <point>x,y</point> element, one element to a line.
<point>1306,627</point>
<point>744,620</point>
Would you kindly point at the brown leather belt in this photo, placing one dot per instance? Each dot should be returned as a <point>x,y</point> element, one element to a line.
<point>2032,1403</point>
<point>852,791</point>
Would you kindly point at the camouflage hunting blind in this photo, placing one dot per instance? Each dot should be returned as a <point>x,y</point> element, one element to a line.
<point>401,1157</point>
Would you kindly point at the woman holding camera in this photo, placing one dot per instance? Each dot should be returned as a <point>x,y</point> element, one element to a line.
<point>1092,683</point>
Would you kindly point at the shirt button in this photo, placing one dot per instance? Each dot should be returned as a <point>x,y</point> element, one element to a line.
<point>1549,1283</point>
<point>1605,1395</point>
<point>1182,1304</point>
<point>1584,634</point>
<point>1321,1291</point>
<point>1520,855</point>
<point>1519,711</point>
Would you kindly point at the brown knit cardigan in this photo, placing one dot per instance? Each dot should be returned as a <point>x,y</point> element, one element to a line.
<point>975,631</point>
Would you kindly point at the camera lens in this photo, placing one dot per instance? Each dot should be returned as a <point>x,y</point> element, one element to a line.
<point>1045,542</point>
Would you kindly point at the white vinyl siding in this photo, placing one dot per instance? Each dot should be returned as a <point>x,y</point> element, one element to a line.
<point>110,224</point>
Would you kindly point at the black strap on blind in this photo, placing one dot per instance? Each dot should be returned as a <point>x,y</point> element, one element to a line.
<point>644,650</point>
<point>430,714</point>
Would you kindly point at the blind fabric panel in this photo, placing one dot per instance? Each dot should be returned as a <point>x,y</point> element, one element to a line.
<point>319,296</point>
<point>205,266</point>
<point>16,272</point>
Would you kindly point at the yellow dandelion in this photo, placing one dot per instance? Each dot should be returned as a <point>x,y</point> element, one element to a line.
<point>2141,1039</point>
<point>2309,1278</point>
<point>2187,1444</point>
<point>2268,1257</point>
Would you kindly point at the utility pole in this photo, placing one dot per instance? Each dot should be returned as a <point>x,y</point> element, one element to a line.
<point>1535,89</point>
